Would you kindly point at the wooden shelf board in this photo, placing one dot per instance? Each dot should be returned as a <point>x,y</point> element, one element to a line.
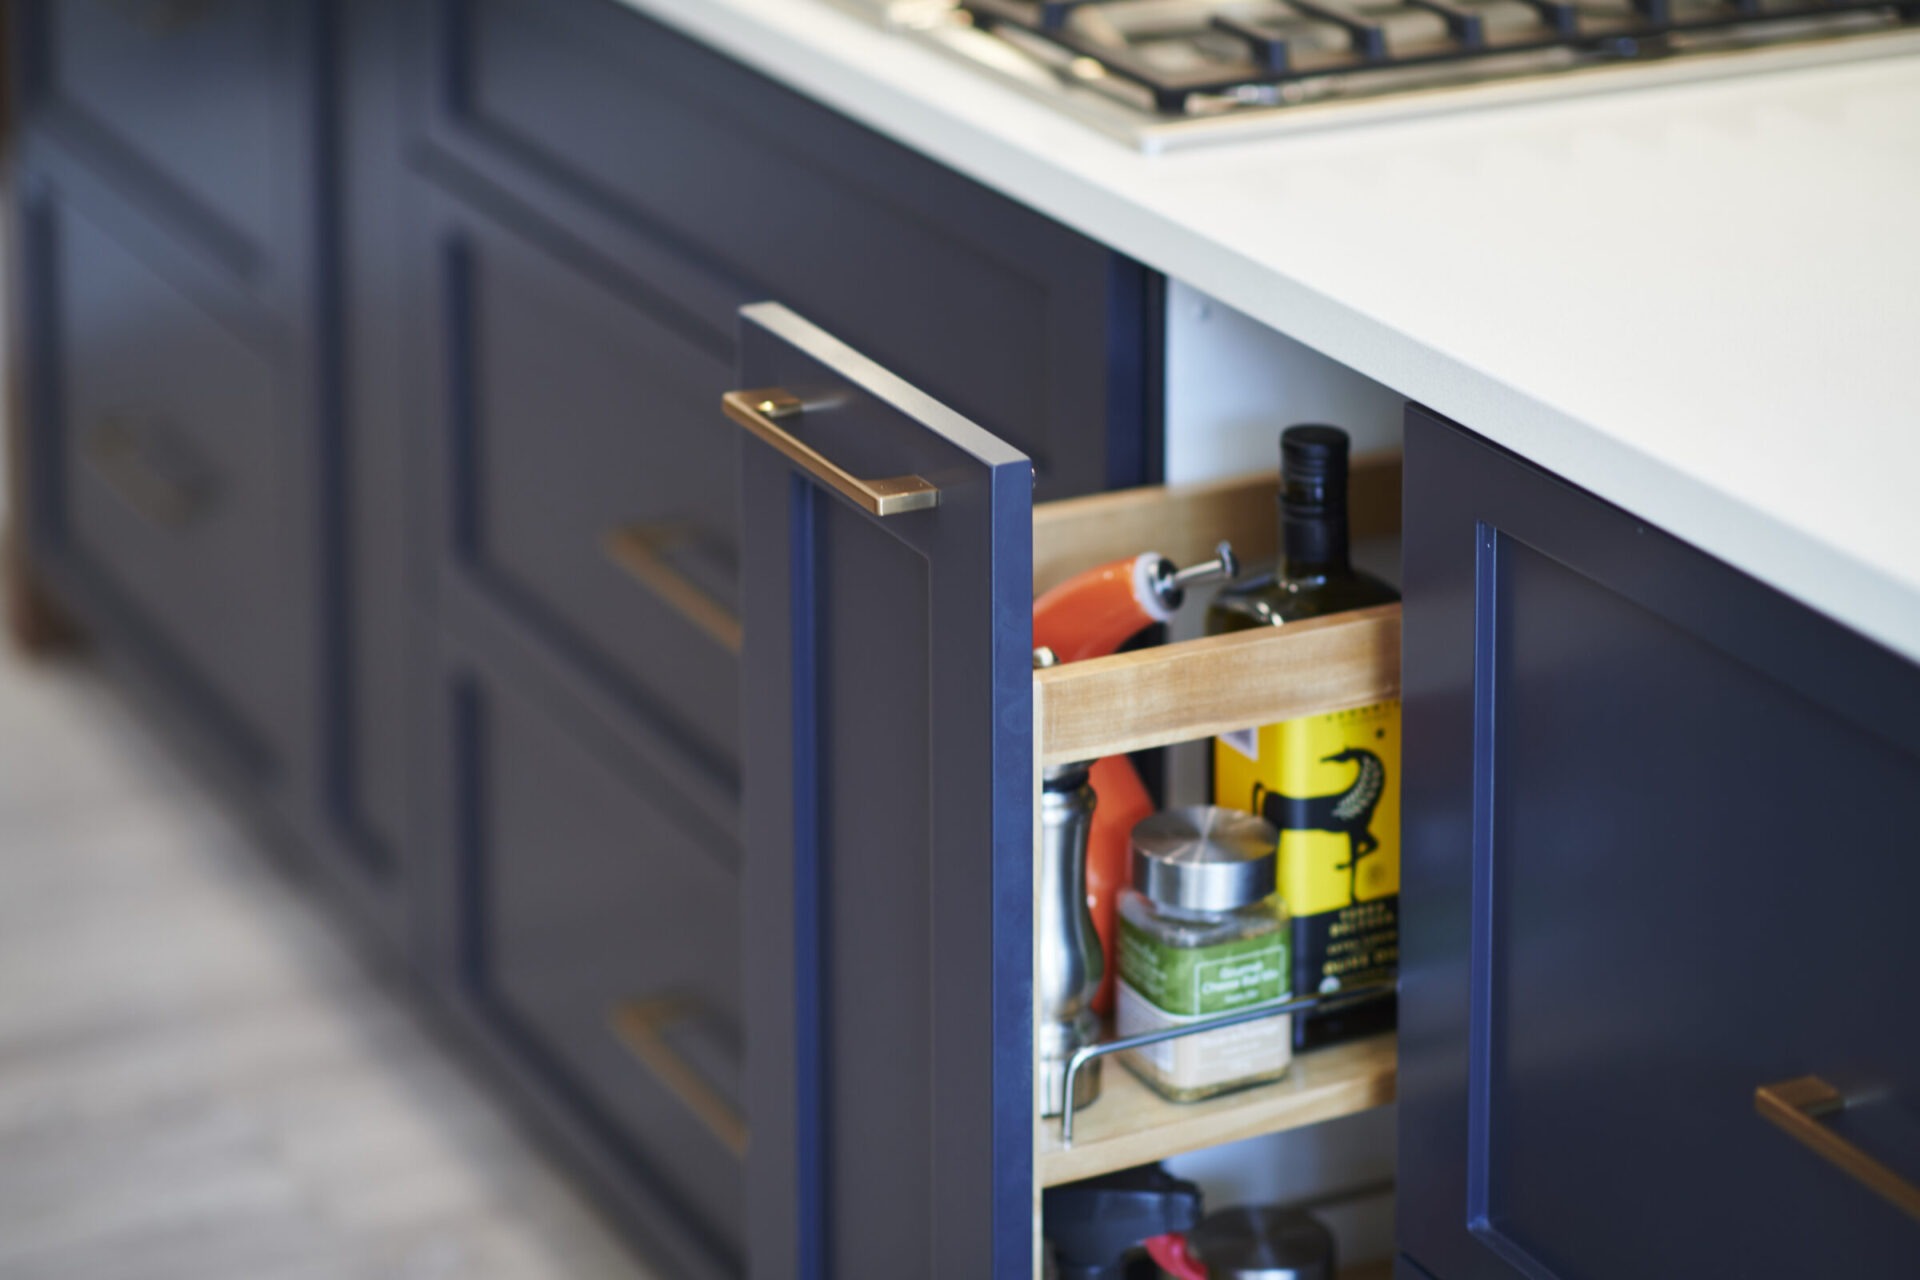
<point>1129,1124</point>
<point>1199,688</point>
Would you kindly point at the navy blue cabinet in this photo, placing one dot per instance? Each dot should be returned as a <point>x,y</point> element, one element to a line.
<point>589,209</point>
<point>372,358</point>
<point>583,491</point>
<point>373,355</point>
<point>889,822</point>
<point>598,950</point>
<point>186,100</point>
<point>582,724</point>
<point>168,225</point>
<point>1657,856</point>
<point>170,459</point>
<point>214,438</point>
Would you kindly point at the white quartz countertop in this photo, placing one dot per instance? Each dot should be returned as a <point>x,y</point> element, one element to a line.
<point>1701,302</point>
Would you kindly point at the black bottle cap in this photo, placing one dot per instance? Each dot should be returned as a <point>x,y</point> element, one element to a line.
<point>1313,469</point>
<point>1313,495</point>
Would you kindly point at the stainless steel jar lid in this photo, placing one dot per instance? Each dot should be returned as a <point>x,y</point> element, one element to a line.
<point>1204,858</point>
<point>1259,1242</point>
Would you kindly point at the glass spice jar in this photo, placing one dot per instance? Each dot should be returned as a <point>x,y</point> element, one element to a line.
<point>1202,933</point>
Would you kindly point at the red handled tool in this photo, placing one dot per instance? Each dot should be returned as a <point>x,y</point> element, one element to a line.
<point>1089,615</point>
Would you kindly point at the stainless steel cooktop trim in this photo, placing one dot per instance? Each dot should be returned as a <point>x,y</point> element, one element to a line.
<point>936,23</point>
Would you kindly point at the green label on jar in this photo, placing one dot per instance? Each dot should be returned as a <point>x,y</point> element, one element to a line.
<point>1204,981</point>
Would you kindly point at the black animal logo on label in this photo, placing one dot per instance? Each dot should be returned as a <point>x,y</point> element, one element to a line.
<point>1348,813</point>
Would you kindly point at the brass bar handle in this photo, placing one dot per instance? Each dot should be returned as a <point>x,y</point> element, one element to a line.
<point>638,1024</point>
<point>761,411</point>
<point>1797,1106</point>
<point>637,549</point>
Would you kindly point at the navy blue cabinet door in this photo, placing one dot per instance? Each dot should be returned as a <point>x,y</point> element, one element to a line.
<point>168,207</point>
<point>584,908</point>
<point>888,819</point>
<point>584,500</point>
<point>598,945</point>
<point>214,447</point>
<point>1659,854</point>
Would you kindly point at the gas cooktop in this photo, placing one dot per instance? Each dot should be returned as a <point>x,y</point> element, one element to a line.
<point>1161,73</point>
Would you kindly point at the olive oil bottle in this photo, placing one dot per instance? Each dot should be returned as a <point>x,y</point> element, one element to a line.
<point>1329,783</point>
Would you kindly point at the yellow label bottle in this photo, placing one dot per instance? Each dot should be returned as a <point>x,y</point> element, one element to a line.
<point>1330,783</point>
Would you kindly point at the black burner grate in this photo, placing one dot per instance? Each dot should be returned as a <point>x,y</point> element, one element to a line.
<point>1266,51</point>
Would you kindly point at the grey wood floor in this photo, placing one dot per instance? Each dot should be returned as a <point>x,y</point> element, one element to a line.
<point>198,1077</point>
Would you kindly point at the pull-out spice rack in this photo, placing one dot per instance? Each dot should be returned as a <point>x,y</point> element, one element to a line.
<point>1188,691</point>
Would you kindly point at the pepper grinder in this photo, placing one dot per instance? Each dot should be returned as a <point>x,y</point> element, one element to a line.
<point>1069,966</point>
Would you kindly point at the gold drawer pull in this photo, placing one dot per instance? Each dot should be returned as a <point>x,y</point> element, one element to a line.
<point>1798,1105</point>
<point>638,549</point>
<point>760,412</point>
<point>639,1024</point>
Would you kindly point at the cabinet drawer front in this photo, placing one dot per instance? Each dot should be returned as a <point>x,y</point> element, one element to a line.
<point>191,90</point>
<point>605,939</point>
<point>1004,314</point>
<point>889,818</point>
<point>171,452</point>
<point>1659,857</point>
<point>591,497</point>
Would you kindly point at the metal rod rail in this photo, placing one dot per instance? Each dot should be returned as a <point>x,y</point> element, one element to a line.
<point>1305,1004</point>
